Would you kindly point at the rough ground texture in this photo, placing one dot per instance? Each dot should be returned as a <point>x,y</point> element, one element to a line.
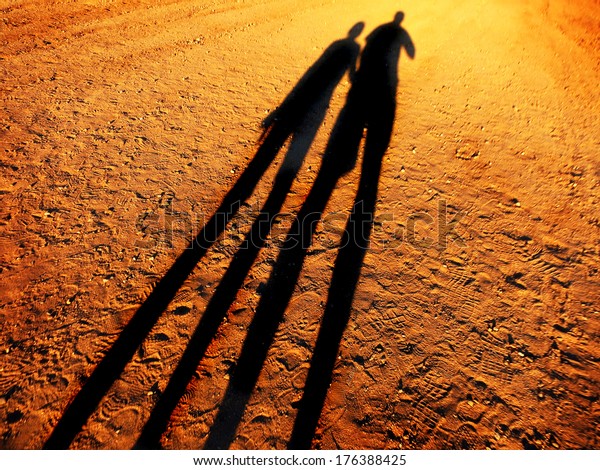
<point>475,322</point>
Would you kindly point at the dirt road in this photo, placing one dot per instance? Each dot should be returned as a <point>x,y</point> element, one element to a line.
<point>474,320</point>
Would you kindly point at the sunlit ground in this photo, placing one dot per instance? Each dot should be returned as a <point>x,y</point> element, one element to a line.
<point>470,322</point>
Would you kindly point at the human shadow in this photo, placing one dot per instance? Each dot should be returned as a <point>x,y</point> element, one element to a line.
<point>299,117</point>
<point>303,111</point>
<point>371,105</point>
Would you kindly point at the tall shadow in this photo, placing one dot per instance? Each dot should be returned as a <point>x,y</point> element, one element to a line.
<point>371,104</point>
<point>299,116</point>
<point>304,110</point>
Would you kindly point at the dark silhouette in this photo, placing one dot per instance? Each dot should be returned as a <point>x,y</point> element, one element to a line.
<point>303,111</point>
<point>372,105</point>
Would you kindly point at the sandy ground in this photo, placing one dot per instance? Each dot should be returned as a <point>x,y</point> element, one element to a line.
<point>475,321</point>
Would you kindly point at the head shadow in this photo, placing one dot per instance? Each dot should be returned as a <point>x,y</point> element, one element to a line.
<point>371,102</point>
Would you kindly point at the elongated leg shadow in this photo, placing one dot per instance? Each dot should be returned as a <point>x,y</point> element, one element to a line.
<point>346,273</point>
<point>131,337</point>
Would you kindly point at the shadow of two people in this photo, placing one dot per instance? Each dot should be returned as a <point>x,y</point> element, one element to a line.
<point>371,105</point>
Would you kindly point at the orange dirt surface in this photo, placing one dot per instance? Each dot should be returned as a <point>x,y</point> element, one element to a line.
<point>474,321</point>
